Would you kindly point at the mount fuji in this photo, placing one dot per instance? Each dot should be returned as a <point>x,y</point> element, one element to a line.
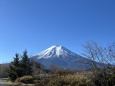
<point>62,57</point>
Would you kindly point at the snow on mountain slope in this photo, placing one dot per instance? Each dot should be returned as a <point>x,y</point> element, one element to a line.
<point>56,51</point>
<point>62,57</point>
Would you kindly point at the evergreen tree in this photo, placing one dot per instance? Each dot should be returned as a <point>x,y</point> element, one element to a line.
<point>26,64</point>
<point>19,68</point>
<point>14,68</point>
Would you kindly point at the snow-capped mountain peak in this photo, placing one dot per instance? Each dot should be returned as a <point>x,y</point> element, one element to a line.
<point>56,51</point>
<point>62,57</point>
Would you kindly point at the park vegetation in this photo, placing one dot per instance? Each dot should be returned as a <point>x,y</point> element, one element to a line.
<point>23,70</point>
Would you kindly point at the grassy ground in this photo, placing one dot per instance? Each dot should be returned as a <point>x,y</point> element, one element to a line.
<point>6,82</point>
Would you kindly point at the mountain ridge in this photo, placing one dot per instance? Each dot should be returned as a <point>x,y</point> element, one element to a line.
<point>62,57</point>
<point>55,50</point>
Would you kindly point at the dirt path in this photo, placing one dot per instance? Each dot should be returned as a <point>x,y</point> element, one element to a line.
<point>3,83</point>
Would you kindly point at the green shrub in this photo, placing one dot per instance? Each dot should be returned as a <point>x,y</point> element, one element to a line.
<point>101,78</point>
<point>25,79</point>
<point>112,80</point>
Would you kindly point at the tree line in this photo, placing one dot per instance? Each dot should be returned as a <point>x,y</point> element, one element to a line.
<point>22,66</point>
<point>100,76</point>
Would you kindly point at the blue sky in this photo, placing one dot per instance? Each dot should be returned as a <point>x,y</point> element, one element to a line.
<point>38,24</point>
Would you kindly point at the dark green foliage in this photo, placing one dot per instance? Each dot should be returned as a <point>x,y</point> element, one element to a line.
<point>37,68</point>
<point>14,69</point>
<point>103,78</point>
<point>112,80</point>
<point>26,64</point>
<point>48,71</point>
<point>19,68</point>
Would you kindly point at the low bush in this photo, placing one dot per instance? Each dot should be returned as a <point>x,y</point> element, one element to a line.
<point>100,79</point>
<point>70,80</point>
<point>43,82</point>
<point>103,79</point>
<point>112,80</point>
<point>65,72</point>
<point>3,68</point>
<point>25,79</point>
<point>65,80</point>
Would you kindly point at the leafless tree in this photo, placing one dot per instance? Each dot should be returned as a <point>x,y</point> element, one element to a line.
<point>105,56</point>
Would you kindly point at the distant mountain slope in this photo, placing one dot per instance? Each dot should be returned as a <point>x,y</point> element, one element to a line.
<point>62,57</point>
